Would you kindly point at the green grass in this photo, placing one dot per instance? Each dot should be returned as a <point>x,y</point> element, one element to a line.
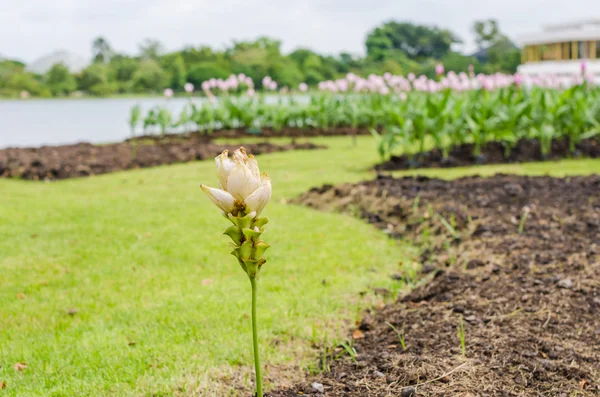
<point>162,308</point>
<point>161,305</point>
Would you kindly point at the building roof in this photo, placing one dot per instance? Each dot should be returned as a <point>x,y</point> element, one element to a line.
<point>587,30</point>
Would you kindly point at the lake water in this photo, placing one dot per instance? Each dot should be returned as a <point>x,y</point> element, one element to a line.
<point>37,122</point>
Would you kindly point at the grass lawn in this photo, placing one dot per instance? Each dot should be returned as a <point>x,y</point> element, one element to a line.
<point>122,284</point>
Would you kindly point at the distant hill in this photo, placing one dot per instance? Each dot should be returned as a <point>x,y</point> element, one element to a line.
<point>74,62</point>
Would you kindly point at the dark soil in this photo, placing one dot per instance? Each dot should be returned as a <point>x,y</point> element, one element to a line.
<point>263,132</point>
<point>84,159</point>
<point>529,302</point>
<point>492,153</point>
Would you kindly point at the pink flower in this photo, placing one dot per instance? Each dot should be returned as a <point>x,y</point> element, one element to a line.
<point>250,92</point>
<point>403,96</point>
<point>583,67</point>
<point>439,69</point>
<point>303,87</point>
<point>188,87</point>
<point>168,93</point>
<point>518,79</point>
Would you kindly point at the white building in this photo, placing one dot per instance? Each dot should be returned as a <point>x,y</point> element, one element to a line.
<point>561,49</point>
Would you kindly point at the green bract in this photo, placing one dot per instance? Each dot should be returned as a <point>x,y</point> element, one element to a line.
<point>248,247</point>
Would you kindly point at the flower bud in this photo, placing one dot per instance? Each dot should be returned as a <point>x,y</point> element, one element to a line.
<point>242,187</point>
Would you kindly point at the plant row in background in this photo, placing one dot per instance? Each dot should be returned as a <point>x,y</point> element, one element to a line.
<point>450,111</point>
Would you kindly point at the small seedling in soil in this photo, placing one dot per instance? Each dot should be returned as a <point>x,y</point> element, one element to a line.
<point>415,206</point>
<point>348,349</point>
<point>430,211</point>
<point>400,335</point>
<point>448,226</point>
<point>425,235</point>
<point>461,337</point>
<point>323,365</point>
<point>524,217</point>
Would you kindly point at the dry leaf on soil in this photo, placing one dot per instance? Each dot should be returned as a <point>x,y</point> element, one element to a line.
<point>20,367</point>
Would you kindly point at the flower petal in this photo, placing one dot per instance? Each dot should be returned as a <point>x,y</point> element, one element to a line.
<point>260,197</point>
<point>240,156</point>
<point>221,198</point>
<point>224,167</point>
<point>253,165</point>
<point>241,183</point>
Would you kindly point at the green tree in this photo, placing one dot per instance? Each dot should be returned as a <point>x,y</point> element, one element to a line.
<point>288,74</point>
<point>458,62</point>
<point>96,79</point>
<point>257,58</point>
<point>101,50</point>
<point>416,41</point>
<point>123,67</point>
<point>149,77</point>
<point>13,83</point>
<point>59,80</point>
<point>497,51</point>
<point>203,71</point>
<point>174,65</point>
<point>486,32</point>
<point>150,49</point>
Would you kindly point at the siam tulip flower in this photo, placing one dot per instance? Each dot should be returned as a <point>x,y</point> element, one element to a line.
<point>583,67</point>
<point>188,87</point>
<point>168,92</point>
<point>241,77</point>
<point>273,85</point>
<point>439,69</point>
<point>411,77</point>
<point>205,85</point>
<point>384,90</point>
<point>303,87</point>
<point>243,195</point>
<point>250,92</point>
<point>266,81</point>
<point>518,79</point>
<point>342,85</point>
<point>243,189</point>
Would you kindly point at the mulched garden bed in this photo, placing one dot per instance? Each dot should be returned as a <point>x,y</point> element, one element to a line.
<point>292,132</point>
<point>491,153</point>
<point>529,301</point>
<point>84,159</point>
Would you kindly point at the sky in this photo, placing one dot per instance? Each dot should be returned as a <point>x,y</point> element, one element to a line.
<point>30,29</point>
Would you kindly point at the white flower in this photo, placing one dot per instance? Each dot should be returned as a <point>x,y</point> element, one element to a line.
<point>242,186</point>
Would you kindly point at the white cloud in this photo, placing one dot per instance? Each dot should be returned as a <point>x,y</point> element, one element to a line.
<point>32,28</point>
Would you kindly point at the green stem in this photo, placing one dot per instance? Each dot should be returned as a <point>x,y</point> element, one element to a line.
<point>259,392</point>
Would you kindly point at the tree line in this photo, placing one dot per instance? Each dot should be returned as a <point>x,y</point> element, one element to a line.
<point>393,47</point>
